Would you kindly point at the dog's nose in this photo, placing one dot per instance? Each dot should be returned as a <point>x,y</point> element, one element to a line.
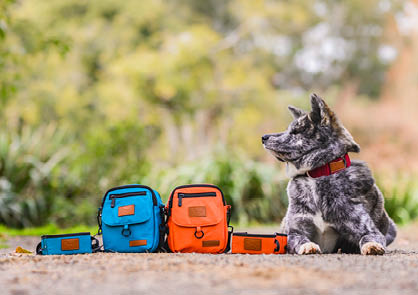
<point>265,138</point>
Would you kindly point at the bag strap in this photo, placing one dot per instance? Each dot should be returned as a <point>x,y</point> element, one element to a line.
<point>277,243</point>
<point>228,219</point>
<point>277,249</point>
<point>163,230</point>
<point>39,249</point>
<point>99,220</point>
<point>95,245</point>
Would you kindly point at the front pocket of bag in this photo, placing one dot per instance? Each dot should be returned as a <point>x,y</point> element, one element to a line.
<point>201,239</point>
<point>128,223</point>
<point>195,236</point>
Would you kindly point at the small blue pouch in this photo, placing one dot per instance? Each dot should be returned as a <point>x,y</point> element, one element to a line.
<point>77,243</point>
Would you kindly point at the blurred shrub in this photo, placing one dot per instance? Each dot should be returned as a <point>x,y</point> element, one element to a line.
<point>401,202</point>
<point>256,191</point>
<point>28,186</point>
<point>45,176</point>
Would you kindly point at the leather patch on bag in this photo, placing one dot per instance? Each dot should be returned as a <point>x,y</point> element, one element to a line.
<point>126,210</point>
<point>252,244</point>
<point>70,244</point>
<point>211,243</point>
<point>136,243</point>
<point>198,211</point>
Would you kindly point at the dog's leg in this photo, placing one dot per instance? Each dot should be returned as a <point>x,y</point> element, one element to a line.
<point>360,229</point>
<point>301,233</point>
<point>385,224</point>
<point>391,234</point>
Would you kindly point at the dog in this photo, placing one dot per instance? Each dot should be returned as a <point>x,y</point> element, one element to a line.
<point>334,203</point>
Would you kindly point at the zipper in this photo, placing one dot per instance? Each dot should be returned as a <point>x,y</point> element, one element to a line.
<point>116,196</point>
<point>194,195</point>
<point>65,235</point>
<point>171,198</point>
<point>244,234</point>
<point>154,198</point>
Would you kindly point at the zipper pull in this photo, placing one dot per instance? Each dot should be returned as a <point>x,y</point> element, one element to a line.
<point>112,205</point>
<point>180,196</point>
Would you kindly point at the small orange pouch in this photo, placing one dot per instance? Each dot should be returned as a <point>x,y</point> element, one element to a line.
<point>245,243</point>
<point>197,219</point>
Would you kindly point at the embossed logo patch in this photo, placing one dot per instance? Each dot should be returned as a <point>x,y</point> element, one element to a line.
<point>198,211</point>
<point>252,244</point>
<point>211,243</point>
<point>136,243</point>
<point>70,244</point>
<point>126,210</point>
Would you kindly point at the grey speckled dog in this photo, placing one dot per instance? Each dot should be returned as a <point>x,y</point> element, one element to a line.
<point>333,203</point>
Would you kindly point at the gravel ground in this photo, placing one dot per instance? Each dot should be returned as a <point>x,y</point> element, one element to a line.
<point>394,273</point>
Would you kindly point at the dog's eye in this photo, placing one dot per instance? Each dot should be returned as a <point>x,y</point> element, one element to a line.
<point>298,128</point>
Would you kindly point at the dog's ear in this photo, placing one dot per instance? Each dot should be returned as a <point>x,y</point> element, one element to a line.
<point>296,112</point>
<point>321,113</point>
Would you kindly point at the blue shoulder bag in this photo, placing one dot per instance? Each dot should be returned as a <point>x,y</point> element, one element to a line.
<point>131,219</point>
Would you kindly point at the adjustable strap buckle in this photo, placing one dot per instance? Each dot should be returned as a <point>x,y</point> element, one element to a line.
<point>338,165</point>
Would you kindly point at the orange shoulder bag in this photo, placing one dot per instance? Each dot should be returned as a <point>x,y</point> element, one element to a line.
<point>244,243</point>
<point>197,219</point>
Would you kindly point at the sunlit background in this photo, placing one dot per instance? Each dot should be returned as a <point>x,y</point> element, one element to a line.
<point>99,93</point>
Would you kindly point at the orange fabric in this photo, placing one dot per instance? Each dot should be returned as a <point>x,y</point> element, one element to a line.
<point>196,232</point>
<point>243,243</point>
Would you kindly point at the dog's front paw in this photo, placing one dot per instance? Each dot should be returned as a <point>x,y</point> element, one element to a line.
<point>372,248</point>
<point>309,248</point>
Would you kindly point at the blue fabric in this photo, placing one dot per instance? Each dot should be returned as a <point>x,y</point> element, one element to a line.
<point>128,233</point>
<point>51,245</point>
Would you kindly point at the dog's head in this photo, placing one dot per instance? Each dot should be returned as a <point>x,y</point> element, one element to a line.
<point>312,139</point>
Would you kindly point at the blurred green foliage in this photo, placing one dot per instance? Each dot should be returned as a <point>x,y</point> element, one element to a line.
<point>401,202</point>
<point>100,93</point>
<point>256,191</point>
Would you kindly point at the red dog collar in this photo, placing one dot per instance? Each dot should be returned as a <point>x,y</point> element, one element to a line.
<point>331,167</point>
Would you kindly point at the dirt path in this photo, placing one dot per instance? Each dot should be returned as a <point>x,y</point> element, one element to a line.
<point>393,273</point>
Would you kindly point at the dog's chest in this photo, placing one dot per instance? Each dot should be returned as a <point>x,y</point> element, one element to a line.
<point>326,236</point>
